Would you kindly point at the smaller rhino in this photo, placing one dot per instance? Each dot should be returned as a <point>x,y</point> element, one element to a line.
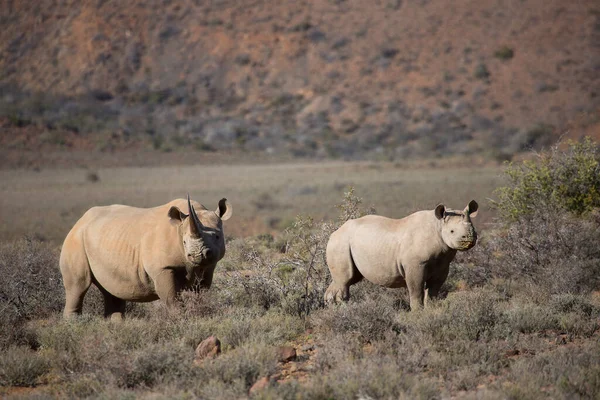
<point>413,252</point>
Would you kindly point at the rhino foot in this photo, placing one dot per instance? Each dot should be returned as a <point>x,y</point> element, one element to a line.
<point>337,293</point>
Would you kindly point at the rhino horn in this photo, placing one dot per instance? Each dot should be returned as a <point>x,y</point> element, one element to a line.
<point>196,224</point>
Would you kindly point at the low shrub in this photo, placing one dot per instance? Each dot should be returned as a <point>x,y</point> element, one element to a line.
<point>563,373</point>
<point>20,366</point>
<point>239,367</point>
<point>366,378</point>
<point>370,318</point>
<point>30,288</point>
<point>160,364</point>
<point>551,253</point>
<point>469,315</point>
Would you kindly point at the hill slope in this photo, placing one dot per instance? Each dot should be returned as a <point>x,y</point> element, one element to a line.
<point>334,78</point>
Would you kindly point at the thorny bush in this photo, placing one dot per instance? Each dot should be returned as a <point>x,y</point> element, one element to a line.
<point>293,277</point>
<point>29,288</point>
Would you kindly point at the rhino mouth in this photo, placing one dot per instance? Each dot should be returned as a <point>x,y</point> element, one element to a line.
<point>467,244</point>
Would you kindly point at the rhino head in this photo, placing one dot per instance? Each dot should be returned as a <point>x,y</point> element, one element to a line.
<point>202,232</point>
<point>457,230</point>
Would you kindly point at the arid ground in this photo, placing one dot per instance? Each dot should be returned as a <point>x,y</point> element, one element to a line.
<point>505,328</point>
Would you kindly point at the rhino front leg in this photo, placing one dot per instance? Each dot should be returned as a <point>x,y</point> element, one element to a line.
<point>431,291</point>
<point>416,289</point>
<point>165,286</point>
<point>205,277</point>
<point>433,285</point>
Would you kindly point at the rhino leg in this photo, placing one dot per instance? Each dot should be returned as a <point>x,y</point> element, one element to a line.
<point>336,293</point>
<point>433,285</point>
<point>166,288</point>
<point>416,288</point>
<point>205,277</point>
<point>343,272</point>
<point>76,274</point>
<point>431,291</point>
<point>114,308</point>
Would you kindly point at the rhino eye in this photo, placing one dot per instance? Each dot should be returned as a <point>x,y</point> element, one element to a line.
<point>217,237</point>
<point>452,231</point>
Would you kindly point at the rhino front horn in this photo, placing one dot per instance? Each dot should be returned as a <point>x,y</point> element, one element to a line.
<point>195,225</point>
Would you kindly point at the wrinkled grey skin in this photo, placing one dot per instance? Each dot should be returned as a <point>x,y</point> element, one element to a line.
<point>413,252</point>
<point>141,254</point>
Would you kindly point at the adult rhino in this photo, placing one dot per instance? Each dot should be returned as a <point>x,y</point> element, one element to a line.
<point>413,252</point>
<point>141,254</point>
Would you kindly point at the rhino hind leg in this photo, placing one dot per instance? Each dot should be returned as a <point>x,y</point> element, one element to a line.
<point>343,273</point>
<point>77,276</point>
<point>336,293</point>
<point>74,300</point>
<point>114,308</point>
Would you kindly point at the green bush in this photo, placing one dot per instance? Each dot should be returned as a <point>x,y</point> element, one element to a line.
<point>559,179</point>
<point>549,225</point>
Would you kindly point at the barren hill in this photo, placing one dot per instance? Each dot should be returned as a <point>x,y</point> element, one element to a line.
<point>342,78</point>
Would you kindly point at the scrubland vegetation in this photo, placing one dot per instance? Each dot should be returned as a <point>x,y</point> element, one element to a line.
<point>520,318</point>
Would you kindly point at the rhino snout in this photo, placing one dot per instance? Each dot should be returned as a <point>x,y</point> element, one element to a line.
<point>469,238</point>
<point>468,241</point>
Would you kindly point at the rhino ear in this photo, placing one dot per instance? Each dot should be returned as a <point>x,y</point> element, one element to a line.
<point>225,209</point>
<point>472,208</point>
<point>176,215</point>
<point>440,210</point>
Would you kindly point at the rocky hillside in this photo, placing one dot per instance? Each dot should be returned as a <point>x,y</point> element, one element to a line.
<point>340,78</point>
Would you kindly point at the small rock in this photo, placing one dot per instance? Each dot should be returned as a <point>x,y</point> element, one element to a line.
<point>293,367</point>
<point>259,385</point>
<point>208,348</point>
<point>286,353</point>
